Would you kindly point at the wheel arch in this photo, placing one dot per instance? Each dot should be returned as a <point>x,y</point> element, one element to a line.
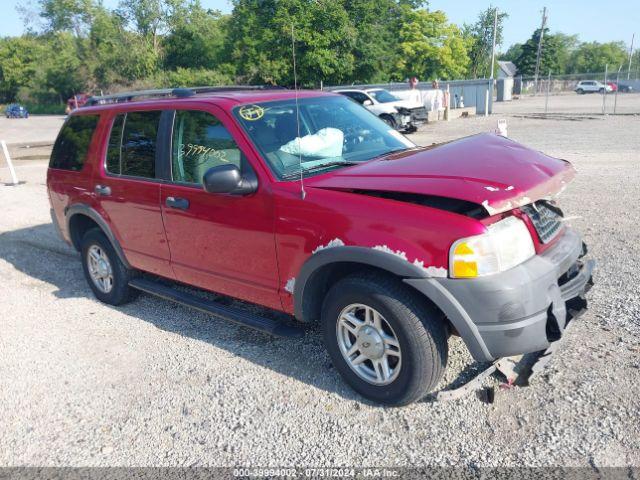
<point>81,218</point>
<point>327,266</point>
<point>322,269</point>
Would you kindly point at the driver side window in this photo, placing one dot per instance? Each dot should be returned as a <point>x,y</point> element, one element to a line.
<point>201,141</point>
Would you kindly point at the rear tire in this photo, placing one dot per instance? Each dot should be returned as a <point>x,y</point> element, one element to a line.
<point>411,339</point>
<point>580,91</point>
<point>107,276</point>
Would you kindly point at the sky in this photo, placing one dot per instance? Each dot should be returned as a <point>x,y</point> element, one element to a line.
<point>592,20</point>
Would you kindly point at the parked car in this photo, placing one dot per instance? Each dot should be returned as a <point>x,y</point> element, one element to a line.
<point>399,114</point>
<point>613,85</point>
<point>16,110</point>
<point>77,101</point>
<point>623,87</point>
<point>311,207</point>
<point>592,86</point>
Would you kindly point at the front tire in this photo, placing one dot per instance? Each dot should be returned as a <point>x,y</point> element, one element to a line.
<point>107,276</point>
<point>389,120</point>
<point>386,344</point>
<point>580,91</point>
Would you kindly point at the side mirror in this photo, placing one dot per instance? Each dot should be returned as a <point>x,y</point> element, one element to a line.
<point>228,179</point>
<point>367,103</point>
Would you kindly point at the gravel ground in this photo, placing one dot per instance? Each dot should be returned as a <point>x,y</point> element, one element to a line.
<point>152,383</point>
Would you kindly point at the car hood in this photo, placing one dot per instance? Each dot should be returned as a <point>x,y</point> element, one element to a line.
<point>404,104</point>
<point>489,170</point>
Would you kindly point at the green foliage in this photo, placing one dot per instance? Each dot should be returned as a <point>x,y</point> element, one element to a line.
<point>549,56</point>
<point>196,39</point>
<point>480,41</point>
<point>376,23</point>
<point>67,15</point>
<point>19,58</point>
<point>563,54</point>
<point>87,47</point>
<point>594,57</point>
<point>190,77</point>
<point>512,53</point>
<point>430,47</point>
<point>260,34</point>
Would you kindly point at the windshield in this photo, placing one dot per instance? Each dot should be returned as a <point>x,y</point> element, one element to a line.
<point>333,132</point>
<point>383,96</point>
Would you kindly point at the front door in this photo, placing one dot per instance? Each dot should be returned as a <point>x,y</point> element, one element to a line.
<point>127,190</point>
<point>219,242</point>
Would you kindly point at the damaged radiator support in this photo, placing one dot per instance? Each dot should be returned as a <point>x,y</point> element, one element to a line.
<point>517,370</point>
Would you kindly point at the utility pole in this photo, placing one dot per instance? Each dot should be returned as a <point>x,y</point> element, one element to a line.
<point>544,22</point>
<point>493,48</point>
<point>630,56</point>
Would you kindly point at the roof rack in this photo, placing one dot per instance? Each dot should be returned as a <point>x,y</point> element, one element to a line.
<point>172,92</point>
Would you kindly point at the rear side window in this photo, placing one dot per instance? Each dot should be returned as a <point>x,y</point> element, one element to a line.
<point>71,147</point>
<point>132,144</point>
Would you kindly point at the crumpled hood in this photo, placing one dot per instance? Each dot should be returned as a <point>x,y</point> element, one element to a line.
<point>404,104</point>
<point>485,169</point>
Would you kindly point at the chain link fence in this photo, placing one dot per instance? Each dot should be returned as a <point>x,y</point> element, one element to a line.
<point>605,93</point>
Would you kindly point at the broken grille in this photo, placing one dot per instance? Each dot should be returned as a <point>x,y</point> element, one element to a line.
<point>546,219</point>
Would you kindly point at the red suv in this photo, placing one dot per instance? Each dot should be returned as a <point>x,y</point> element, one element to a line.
<point>307,204</point>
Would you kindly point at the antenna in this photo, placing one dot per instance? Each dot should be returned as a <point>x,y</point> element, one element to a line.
<point>295,87</point>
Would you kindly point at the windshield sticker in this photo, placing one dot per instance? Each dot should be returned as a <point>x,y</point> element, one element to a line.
<point>251,113</point>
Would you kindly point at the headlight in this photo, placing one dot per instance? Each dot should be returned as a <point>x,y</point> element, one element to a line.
<point>506,244</point>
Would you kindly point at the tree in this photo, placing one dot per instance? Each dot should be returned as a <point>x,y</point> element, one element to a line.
<point>118,55</point>
<point>593,57</point>
<point>512,53</point>
<point>430,47</point>
<point>377,24</point>
<point>19,58</point>
<point>67,15</point>
<point>259,41</point>
<point>566,45</point>
<point>550,56</point>
<point>148,17</point>
<point>480,38</point>
<point>196,39</point>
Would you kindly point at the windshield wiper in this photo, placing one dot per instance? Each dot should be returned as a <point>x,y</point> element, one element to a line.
<point>395,150</point>
<point>320,167</point>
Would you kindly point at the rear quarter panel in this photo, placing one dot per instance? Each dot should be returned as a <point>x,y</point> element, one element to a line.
<point>68,187</point>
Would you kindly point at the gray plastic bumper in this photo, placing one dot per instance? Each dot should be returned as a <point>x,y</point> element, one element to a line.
<point>518,311</point>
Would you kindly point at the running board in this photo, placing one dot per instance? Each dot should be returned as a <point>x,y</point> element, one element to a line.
<point>236,315</point>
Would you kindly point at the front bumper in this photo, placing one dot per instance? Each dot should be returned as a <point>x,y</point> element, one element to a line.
<point>521,310</point>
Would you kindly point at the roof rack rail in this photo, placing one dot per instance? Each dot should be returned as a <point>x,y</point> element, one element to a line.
<point>180,92</point>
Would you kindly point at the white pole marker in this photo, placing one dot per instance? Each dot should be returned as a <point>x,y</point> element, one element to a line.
<point>5,150</point>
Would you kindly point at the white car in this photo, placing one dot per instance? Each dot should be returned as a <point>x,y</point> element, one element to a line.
<point>592,86</point>
<point>399,114</point>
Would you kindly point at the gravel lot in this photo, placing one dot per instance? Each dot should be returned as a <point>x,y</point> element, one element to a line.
<point>152,383</point>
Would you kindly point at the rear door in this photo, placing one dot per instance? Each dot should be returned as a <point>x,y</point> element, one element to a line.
<point>127,190</point>
<point>219,242</point>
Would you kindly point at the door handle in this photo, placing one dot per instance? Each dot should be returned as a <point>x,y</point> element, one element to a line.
<point>180,203</point>
<point>102,190</point>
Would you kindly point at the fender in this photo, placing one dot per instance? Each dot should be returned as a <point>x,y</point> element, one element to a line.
<point>412,275</point>
<point>86,210</point>
<point>366,256</point>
